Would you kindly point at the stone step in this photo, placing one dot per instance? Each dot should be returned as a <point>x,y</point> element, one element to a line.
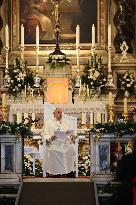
<point>9,181</point>
<point>8,195</point>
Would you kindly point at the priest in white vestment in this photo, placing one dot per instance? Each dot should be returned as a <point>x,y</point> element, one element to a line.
<point>59,153</point>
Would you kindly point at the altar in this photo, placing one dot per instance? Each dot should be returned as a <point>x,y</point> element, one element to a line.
<point>96,153</point>
<point>93,82</point>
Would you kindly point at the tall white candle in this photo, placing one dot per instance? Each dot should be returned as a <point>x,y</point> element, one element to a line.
<point>109,62</point>
<point>25,91</point>
<point>83,118</point>
<point>125,106</point>
<point>109,35</point>
<point>80,90</point>
<point>37,36</point>
<point>77,36</point>
<point>93,36</point>
<point>98,117</point>
<point>33,116</point>
<point>91,118</point>
<point>22,36</point>
<point>32,93</point>
<point>78,64</point>
<point>6,36</point>
<point>37,61</point>
<point>26,117</point>
<point>7,59</point>
<point>110,99</point>
<point>4,100</point>
<point>19,117</point>
<point>88,91</point>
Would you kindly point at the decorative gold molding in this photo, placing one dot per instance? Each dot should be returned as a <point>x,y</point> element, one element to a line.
<point>102,22</point>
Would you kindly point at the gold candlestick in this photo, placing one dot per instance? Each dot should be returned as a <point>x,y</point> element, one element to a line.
<point>98,135</point>
<point>22,53</point>
<point>5,113</point>
<point>93,51</point>
<point>111,113</point>
<point>125,115</point>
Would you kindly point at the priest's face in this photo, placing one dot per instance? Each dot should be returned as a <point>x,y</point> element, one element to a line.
<point>58,114</point>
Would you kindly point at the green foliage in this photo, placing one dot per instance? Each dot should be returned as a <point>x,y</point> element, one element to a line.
<point>94,75</point>
<point>58,63</point>
<point>119,128</point>
<point>14,128</point>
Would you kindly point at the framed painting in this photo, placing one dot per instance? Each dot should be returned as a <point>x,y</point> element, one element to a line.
<point>40,12</point>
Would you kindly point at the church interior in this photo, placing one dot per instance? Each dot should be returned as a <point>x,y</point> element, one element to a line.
<point>80,56</point>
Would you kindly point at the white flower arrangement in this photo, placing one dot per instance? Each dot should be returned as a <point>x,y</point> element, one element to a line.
<point>94,74</point>
<point>128,82</point>
<point>28,164</point>
<point>84,165</point>
<point>19,76</point>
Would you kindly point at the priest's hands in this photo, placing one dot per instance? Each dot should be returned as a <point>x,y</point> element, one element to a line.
<point>73,137</point>
<point>48,142</point>
<point>53,137</point>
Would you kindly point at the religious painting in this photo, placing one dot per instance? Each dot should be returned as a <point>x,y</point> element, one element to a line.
<point>76,12</point>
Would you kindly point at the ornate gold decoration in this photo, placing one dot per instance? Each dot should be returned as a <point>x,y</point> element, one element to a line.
<point>5,113</point>
<point>124,48</point>
<point>98,135</point>
<point>125,115</point>
<point>102,21</point>
<point>111,113</point>
<point>84,92</point>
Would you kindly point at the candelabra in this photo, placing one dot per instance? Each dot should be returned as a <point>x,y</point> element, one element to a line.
<point>111,113</point>
<point>5,113</point>
<point>84,92</point>
<point>78,78</point>
<point>125,115</point>
<point>6,78</point>
<point>78,81</point>
<point>37,78</point>
<point>21,48</point>
<point>92,50</point>
<point>110,85</point>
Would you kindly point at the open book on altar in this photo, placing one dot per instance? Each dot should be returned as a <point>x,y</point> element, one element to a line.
<point>60,134</point>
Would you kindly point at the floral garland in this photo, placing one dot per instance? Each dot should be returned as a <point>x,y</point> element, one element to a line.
<point>120,128</point>
<point>19,76</point>
<point>58,62</point>
<point>15,128</point>
<point>94,74</point>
